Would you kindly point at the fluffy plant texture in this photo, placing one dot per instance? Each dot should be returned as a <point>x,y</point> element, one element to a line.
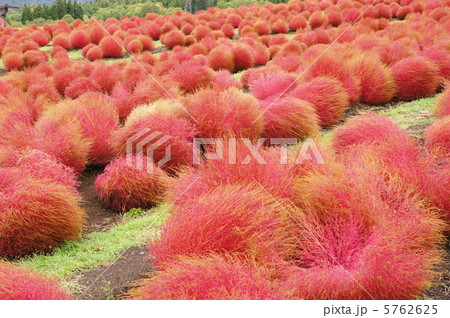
<point>163,106</point>
<point>191,77</point>
<point>224,80</point>
<point>94,53</point>
<point>437,136</point>
<point>442,106</point>
<point>290,117</point>
<point>63,78</point>
<point>243,57</point>
<point>273,86</point>
<point>368,128</point>
<point>328,96</point>
<point>80,86</point>
<point>16,122</point>
<point>441,58</point>
<point>63,140</point>
<point>20,283</point>
<point>105,76</point>
<point>178,131</point>
<point>98,118</point>
<point>228,113</point>
<point>39,165</point>
<point>79,39</point>
<point>379,246</point>
<point>331,65</point>
<point>230,219</point>
<point>415,77</point>
<point>238,166</point>
<point>111,47</point>
<point>221,58</point>
<point>127,184</point>
<point>62,41</point>
<point>36,214</point>
<point>12,61</point>
<point>173,38</point>
<point>377,83</point>
<point>209,277</point>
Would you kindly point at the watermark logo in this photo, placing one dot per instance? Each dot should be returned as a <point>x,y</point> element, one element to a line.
<point>142,146</point>
<point>148,148</point>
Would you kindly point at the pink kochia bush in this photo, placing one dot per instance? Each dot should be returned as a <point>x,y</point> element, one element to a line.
<point>36,214</point>
<point>437,136</point>
<point>208,277</point>
<point>290,117</point>
<point>216,222</point>
<point>442,107</point>
<point>415,77</point>
<point>227,113</point>
<point>385,237</point>
<point>20,283</point>
<point>328,97</point>
<point>178,132</point>
<point>129,183</point>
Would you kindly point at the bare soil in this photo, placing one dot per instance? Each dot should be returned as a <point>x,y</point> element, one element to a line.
<point>100,218</point>
<point>115,280</point>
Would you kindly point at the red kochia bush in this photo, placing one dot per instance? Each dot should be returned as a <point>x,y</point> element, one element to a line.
<point>38,165</point>
<point>65,141</point>
<point>79,39</point>
<point>235,113</point>
<point>208,277</point>
<point>191,77</point>
<point>437,136</point>
<point>442,107</point>
<point>377,82</point>
<point>36,214</point>
<point>228,219</point>
<point>290,118</point>
<point>243,57</point>
<point>179,132</point>
<point>80,86</point>
<point>221,58</point>
<point>273,86</point>
<point>111,46</point>
<point>61,40</point>
<point>330,64</point>
<point>368,128</point>
<point>173,38</point>
<point>127,183</point>
<point>20,283</point>
<point>415,77</point>
<point>12,61</point>
<point>441,58</point>
<point>358,253</point>
<point>328,97</point>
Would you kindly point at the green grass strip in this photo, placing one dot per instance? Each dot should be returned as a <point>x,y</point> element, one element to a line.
<point>98,248</point>
<point>416,113</point>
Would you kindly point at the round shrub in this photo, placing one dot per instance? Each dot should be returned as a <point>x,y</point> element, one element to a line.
<point>273,86</point>
<point>243,57</point>
<point>415,77</point>
<point>234,113</point>
<point>290,117</point>
<point>79,39</point>
<point>328,97</point>
<point>179,132</point>
<point>128,183</point>
<point>230,219</point>
<point>208,277</point>
<point>173,38</point>
<point>437,136</point>
<point>221,58</point>
<point>37,214</point>
<point>20,283</point>
<point>442,106</point>
<point>111,47</point>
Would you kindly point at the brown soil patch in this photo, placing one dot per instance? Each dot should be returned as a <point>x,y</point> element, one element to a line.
<point>100,218</point>
<point>441,287</point>
<point>117,279</point>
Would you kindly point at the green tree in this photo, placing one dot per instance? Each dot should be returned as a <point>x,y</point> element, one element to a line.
<point>26,14</point>
<point>38,12</point>
<point>46,12</point>
<point>69,7</point>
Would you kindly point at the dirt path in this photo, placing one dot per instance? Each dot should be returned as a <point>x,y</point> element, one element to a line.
<point>118,278</point>
<point>100,218</point>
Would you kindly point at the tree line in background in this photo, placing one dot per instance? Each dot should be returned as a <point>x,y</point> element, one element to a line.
<point>103,9</point>
<point>58,10</point>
